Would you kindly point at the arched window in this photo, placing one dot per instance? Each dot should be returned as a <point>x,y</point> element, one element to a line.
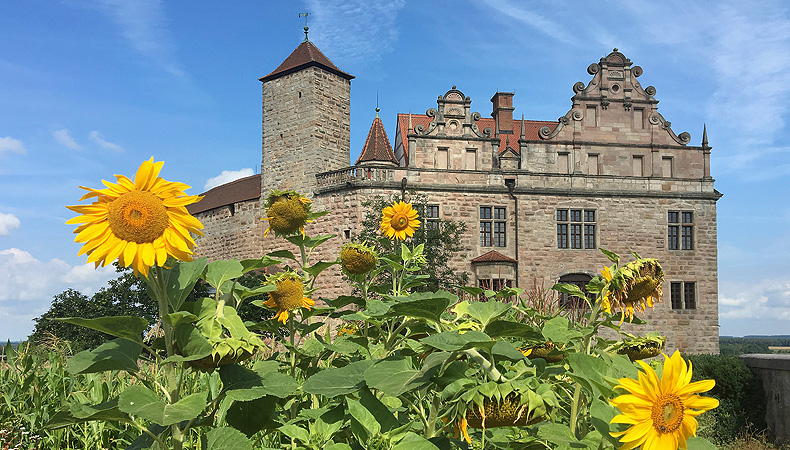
<point>570,302</point>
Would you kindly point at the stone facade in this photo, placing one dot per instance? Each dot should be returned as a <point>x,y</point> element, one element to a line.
<point>538,197</point>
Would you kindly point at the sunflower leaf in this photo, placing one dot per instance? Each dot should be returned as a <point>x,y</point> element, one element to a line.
<point>613,257</point>
<point>181,278</point>
<point>218,272</point>
<point>117,354</point>
<point>125,327</point>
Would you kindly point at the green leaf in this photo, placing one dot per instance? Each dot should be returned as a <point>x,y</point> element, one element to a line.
<point>253,416</point>
<point>118,354</point>
<point>218,272</point>
<point>471,290</point>
<point>145,441</point>
<point>244,384</point>
<point>363,416</point>
<point>600,415</point>
<point>558,331</point>
<point>144,403</point>
<point>414,442</point>
<point>425,305</point>
<point>332,382</point>
<point>378,409</point>
<point>126,327</point>
<point>191,343</point>
<point>591,370</point>
<point>394,376</point>
<point>319,267</point>
<point>613,257</point>
<point>249,265</point>
<point>181,279</point>
<point>226,438</point>
<point>570,289</point>
<point>485,312</point>
<point>340,446</point>
<point>556,433</point>
<point>500,328</point>
<point>451,341</point>
<point>283,254</point>
<point>79,413</point>
<point>507,350</point>
<point>295,432</point>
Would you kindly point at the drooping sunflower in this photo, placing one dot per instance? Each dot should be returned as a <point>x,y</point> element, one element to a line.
<point>661,412</point>
<point>288,296</point>
<point>357,258</point>
<point>399,220</point>
<point>633,287</point>
<point>287,212</point>
<point>139,223</point>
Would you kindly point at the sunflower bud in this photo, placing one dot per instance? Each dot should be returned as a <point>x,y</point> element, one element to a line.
<point>357,259</point>
<point>287,212</point>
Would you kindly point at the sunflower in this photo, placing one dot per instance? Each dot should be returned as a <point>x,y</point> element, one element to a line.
<point>399,220</point>
<point>139,223</point>
<point>287,212</point>
<point>347,328</point>
<point>661,413</point>
<point>633,287</point>
<point>288,296</point>
<point>357,259</point>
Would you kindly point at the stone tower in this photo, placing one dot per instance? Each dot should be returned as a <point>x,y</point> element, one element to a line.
<point>306,121</point>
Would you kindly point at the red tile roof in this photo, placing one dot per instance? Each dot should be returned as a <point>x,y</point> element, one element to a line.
<point>377,146</point>
<point>248,188</point>
<point>493,256</point>
<point>305,55</point>
<point>531,128</point>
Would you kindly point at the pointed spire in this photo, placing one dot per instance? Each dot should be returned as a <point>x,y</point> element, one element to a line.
<point>704,136</point>
<point>410,127</point>
<point>377,148</point>
<point>523,128</point>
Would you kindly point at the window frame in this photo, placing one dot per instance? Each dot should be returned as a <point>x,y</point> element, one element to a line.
<point>683,295</point>
<point>431,221</point>
<point>493,226</point>
<point>577,228</point>
<point>680,230</point>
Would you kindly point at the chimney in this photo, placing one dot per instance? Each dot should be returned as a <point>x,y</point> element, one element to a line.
<point>503,111</point>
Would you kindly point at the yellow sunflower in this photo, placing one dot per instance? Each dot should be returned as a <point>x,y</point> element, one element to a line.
<point>661,413</point>
<point>288,296</point>
<point>139,223</point>
<point>399,220</point>
<point>287,212</point>
<point>633,287</point>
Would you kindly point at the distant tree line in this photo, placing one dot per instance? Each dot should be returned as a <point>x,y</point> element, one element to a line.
<point>741,345</point>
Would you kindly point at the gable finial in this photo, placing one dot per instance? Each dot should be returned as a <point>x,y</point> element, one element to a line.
<point>306,28</point>
<point>704,136</point>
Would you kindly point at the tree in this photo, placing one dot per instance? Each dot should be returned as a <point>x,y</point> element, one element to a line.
<point>442,240</point>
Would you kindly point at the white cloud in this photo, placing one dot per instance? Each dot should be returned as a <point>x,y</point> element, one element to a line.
<point>11,145</point>
<point>27,286</point>
<point>144,24</point>
<point>107,145</point>
<point>226,177</point>
<point>514,10</point>
<point>8,223</point>
<point>346,29</point>
<point>63,136</point>
<point>763,299</point>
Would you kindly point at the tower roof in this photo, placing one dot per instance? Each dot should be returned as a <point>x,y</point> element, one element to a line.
<point>377,146</point>
<point>304,56</point>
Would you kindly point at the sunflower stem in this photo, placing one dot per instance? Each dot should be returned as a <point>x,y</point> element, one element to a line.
<point>160,292</point>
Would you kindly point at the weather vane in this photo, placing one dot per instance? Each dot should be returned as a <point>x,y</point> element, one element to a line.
<point>305,14</point>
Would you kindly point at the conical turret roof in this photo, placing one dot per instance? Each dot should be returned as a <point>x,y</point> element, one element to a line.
<point>377,146</point>
<point>305,55</point>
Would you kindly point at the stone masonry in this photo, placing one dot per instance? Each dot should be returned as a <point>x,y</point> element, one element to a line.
<point>610,173</point>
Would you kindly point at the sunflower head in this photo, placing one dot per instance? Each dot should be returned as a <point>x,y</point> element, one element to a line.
<point>399,220</point>
<point>661,413</point>
<point>287,212</point>
<point>637,348</point>
<point>347,329</point>
<point>541,350</point>
<point>357,258</point>
<point>140,223</point>
<point>288,296</point>
<point>633,287</point>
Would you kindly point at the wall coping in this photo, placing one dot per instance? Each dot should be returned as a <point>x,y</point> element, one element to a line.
<point>767,361</point>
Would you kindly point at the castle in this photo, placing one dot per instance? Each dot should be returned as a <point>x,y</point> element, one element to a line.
<point>538,197</point>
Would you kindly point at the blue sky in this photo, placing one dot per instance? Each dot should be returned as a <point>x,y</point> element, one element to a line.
<point>90,88</point>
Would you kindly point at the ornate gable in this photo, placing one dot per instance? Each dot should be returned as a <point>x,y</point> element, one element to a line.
<point>452,116</point>
<point>615,101</point>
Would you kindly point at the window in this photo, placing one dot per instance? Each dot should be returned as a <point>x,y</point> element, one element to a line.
<point>492,226</point>
<point>576,228</point>
<point>680,230</point>
<point>666,166</point>
<point>432,217</point>
<point>494,284</point>
<point>575,306</point>
<point>683,294</point>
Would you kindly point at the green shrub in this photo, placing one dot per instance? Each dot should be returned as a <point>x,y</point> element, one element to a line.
<point>741,395</point>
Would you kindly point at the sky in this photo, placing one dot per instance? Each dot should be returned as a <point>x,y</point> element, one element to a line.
<point>91,88</point>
